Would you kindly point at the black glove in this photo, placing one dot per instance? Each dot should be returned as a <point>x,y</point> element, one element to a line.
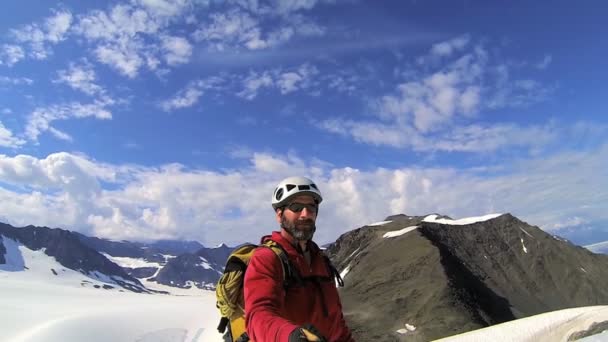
<point>306,333</point>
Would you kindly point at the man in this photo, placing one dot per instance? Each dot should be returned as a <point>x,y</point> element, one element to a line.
<point>310,310</point>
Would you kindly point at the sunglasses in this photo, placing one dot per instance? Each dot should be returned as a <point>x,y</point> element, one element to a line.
<point>298,207</point>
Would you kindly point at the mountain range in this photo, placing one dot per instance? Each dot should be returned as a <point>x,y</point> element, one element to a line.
<point>130,265</point>
<point>451,276</point>
<point>408,278</point>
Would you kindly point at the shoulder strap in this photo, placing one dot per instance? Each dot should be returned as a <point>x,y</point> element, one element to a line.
<point>290,273</point>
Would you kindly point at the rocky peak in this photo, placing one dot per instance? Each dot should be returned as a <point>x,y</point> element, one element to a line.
<point>451,278</point>
<point>70,252</point>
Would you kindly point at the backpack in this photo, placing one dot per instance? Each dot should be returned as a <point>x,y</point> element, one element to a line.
<point>229,289</point>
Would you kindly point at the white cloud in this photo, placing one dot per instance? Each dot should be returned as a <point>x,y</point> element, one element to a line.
<point>167,9</point>
<point>177,50</point>
<point>39,121</point>
<point>490,138</point>
<point>234,27</point>
<point>254,82</point>
<point>174,201</point>
<point>432,103</point>
<point>285,7</point>
<point>7,111</point>
<point>285,81</point>
<point>16,81</point>
<point>127,61</point>
<point>237,28</point>
<point>7,139</point>
<point>451,46</point>
<point>544,64</point>
<point>568,223</point>
<point>474,138</point>
<point>369,132</point>
<point>128,37</point>
<point>190,95</point>
<point>298,79</point>
<point>80,77</point>
<point>515,93</point>
<point>436,110</point>
<point>53,31</point>
<point>60,135</point>
<point>11,54</point>
<point>186,98</point>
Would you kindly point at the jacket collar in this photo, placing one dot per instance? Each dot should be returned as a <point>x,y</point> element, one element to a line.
<point>289,246</point>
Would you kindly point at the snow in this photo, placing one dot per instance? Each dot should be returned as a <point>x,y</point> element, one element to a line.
<point>523,230</point>
<point>353,253</point>
<point>37,305</point>
<point>524,246</point>
<point>463,221</point>
<point>381,223</point>
<point>205,264</point>
<point>345,272</point>
<point>131,262</point>
<point>600,247</point>
<point>551,326</point>
<point>399,232</point>
<point>408,328</point>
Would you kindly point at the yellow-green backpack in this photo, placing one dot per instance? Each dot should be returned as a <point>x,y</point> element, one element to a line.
<point>229,289</point>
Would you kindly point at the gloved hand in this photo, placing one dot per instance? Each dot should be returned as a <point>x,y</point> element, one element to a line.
<point>306,333</point>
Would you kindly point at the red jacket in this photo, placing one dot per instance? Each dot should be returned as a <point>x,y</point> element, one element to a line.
<point>272,312</point>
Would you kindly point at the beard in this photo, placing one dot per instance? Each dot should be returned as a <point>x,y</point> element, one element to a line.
<point>301,230</point>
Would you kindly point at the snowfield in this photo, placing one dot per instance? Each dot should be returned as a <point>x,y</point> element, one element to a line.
<point>38,305</point>
<point>462,221</point>
<point>43,301</point>
<point>41,311</point>
<point>547,327</point>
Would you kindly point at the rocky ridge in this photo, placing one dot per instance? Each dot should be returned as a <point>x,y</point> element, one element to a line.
<point>444,279</point>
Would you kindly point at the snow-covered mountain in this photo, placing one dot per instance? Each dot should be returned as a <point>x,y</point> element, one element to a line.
<point>441,277</point>
<point>600,247</point>
<point>69,252</point>
<point>173,263</point>
<point>201,269</point>
<point>42,300</point>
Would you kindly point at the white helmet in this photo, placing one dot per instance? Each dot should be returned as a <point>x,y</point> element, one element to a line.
<point>292,186</point>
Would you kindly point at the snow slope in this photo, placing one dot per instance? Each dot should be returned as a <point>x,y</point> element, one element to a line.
<point>600,247</point>
<point>462,221</point>
<point>547,327</point>
<point>38,305</point>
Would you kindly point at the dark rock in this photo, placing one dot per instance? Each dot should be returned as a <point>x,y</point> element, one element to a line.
<point>448,279</point>
<point>141,272</point>
<point>594,329</point>
<point>189,268</point>
<point>69,251</point>
<point>2,251</point>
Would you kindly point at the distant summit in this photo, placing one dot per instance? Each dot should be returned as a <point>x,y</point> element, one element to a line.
<point>600,247</point>
<point>441,276</point>
<point>66,247</point>
<point>201,269</point>
<point>130,265</point>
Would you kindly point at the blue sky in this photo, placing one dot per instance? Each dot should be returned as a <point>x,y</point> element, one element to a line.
<point>175,118</point>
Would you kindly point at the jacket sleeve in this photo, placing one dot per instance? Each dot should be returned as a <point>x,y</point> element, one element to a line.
<point>265,298</point>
